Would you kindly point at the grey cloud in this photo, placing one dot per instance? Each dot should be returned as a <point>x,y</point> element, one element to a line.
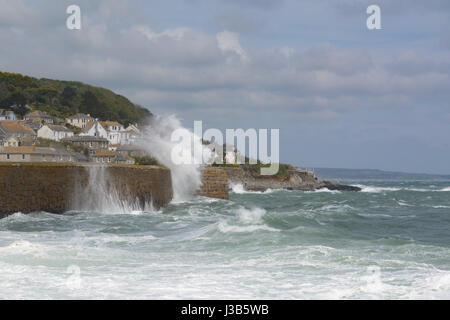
<point>180,69</point>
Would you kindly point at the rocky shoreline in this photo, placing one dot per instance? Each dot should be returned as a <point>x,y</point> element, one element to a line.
<point>296,180</point>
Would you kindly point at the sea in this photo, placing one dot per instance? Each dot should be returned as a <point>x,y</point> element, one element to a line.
<point>389,241</point>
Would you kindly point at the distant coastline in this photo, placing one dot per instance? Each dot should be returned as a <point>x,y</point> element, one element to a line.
<point>375,175</point>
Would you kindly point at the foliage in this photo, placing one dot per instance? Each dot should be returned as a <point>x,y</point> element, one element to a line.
<point>255,169</point>
<point>145,161</point>
<point>75,130</point>
<point>65,98</point>
<point>283,169</point>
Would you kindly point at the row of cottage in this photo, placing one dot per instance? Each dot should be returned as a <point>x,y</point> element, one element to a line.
<point>106,141</point>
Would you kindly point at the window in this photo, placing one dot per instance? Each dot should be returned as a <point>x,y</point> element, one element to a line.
<point>8,156</point>
<point>23,157</point>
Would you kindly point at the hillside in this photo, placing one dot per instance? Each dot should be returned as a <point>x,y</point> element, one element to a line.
<point>64,98</point>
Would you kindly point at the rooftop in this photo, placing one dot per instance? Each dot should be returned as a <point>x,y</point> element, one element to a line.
<point>109,123</point>
<point>9,126</point>
<point>55,127</point>
<point>38,113</point>
<point>86,139</point>
<point>89,125</point>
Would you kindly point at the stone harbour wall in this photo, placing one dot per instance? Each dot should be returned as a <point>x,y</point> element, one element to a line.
<point>53,187</point>
<point>214,184</point>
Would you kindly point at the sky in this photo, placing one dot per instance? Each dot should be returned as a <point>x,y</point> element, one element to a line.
<point>342,95</point>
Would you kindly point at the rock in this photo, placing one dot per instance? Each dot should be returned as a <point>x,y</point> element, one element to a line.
<point>296,180</point>
<point>336,186</point>
<point>215,182</point>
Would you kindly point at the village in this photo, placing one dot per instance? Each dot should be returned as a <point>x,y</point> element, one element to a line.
<point>39,137</point>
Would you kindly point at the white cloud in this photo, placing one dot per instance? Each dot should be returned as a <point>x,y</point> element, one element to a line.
<point>184,68</point>
<point>229,41</point>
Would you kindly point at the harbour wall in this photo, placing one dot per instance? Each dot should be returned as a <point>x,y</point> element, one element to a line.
<point>61,187</point>
<point>214,184</point>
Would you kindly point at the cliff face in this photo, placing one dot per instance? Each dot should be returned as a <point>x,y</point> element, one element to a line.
<point>56,188</point>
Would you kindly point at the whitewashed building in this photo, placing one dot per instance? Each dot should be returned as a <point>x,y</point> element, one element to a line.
<point>80,120</point>
<point>134,134</point>
<point>117,134</point>
<point>7,115</point>
<point>54,132</point>
<point>95,129</point>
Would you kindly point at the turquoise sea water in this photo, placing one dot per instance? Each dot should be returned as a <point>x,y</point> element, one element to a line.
<point>390,241</point>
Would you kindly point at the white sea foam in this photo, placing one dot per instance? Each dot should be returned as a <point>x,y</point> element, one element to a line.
<point>374,215</point>
<point>21,246</point>
<point>14,216</point>
<point>251,216</point>
<point>374,189</point>
<point>336,208</point>
<point>239,189</point>
<point>326,190</point>
<point>378,189</point>
<point>224,227</point>
<point>403,203</point>
<point>249,220</point>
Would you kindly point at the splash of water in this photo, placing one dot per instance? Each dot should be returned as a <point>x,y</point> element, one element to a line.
<point>100,195</point>
<point>186,178</point>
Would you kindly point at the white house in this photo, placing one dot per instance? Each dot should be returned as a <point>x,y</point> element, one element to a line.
<point>94,129</point>
<point>80,120</point>
<point>133,134</point>
<point>116,132</point>
<point>7,115</point>
<point>54,132</point>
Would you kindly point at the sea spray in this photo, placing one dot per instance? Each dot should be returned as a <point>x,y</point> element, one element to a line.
<point>100,195</point>
<point>157,141</point>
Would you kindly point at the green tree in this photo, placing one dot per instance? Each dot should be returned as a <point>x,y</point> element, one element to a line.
<point>68,96</point>
<point>47,95</point>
